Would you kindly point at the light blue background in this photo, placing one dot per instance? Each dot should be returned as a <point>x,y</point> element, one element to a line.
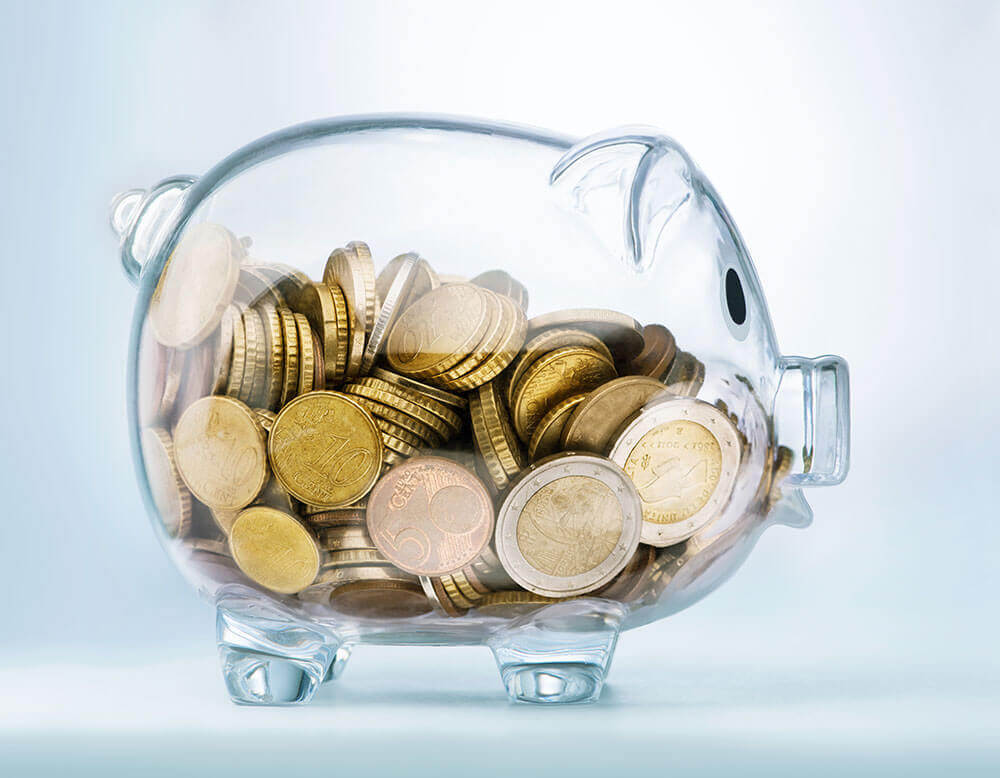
<point>855,145</point>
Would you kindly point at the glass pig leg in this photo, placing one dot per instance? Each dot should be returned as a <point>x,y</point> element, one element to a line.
<point>270,658</point>
<point>560,653</point>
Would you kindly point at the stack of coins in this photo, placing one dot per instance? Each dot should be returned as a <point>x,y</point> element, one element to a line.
<point>384,445</point>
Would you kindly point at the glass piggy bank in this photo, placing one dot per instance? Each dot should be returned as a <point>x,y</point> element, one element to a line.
<point>421,380</point>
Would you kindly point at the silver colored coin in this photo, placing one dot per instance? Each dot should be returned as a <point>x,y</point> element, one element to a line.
<point>683,455</point>
<point>569,525</point>
<point>397,291</point>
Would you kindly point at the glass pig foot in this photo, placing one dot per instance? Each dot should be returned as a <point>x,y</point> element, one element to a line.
<point>560,653</point>
<point>269,658</point>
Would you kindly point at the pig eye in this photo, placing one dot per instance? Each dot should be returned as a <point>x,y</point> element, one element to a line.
<point>734,302</point>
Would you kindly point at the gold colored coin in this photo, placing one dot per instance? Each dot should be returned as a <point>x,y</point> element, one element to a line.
<point>237,365</point>
<point>683,456</point>
<point>307,354</point>
<point>438,331</point>
<point>274,350</point>
<point>658,351</point>
<point>289,376</point>
<point>468,575</point>
<point>488,461</point>
<point>621,333</point>
<point>554,377</point>
<point>325,309</point>
<point>274,549</point>
<point>601,415</point>
<point>399,446</point>
<point>437,595</point>
<point>502,356</point>
<point>220,452</point>
<point>502,282</point>
<point>413,397</point>
<point>399,433</point>
<point>454,401</point>
<point>351,270</point>
<point>325,449</point>
<point>547,437</point>
<point>491,418</point>
<point>265,417</point>
<point>686,375</point>
<point>424,280</point>
<point>499,322</point>
<point>255,363</point>
<point>453,593</point>
<point>508,602</point>
<point>425,432</point>
<point>465,586</point>
<point>546,342</point>
<point>319,371</point>
<point>196,286</point>
<point>170,496</point>
<point>394,400</point>
<point>223,355</point>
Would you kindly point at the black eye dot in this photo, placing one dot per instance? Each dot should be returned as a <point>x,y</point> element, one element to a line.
<point>735,300</point>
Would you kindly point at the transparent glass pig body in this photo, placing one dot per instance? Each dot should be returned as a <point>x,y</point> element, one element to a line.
<point>622,220</point>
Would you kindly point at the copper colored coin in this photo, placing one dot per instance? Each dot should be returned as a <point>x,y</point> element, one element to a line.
<point>430,516</point>
<point>658,351</point>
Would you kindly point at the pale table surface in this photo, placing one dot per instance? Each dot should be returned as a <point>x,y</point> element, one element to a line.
<point>414,711</point>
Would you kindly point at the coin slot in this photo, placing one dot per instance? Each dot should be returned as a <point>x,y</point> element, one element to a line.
<point>735,300</point>
<point>735,303</point>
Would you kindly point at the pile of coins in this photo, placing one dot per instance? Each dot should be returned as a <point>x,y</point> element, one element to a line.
<point>384,445</point>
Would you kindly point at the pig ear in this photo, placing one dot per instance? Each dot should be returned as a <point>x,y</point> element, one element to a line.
<point>630,182</point>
